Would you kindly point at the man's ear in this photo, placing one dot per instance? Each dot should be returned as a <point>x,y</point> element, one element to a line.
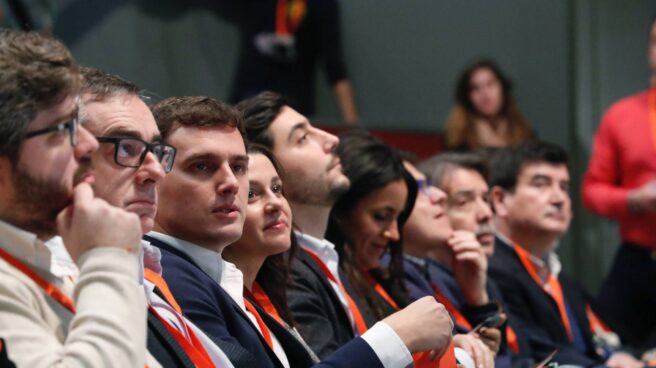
<point>498,198</point>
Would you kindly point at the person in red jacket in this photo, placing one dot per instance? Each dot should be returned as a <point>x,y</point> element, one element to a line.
<point>621,184</point>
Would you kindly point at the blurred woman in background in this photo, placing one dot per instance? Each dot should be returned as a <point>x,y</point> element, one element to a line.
<point>485,114</point>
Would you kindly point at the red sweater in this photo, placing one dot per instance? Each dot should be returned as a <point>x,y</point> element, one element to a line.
<point>623,158</point>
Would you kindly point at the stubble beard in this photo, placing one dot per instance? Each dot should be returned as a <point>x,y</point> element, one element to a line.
<point>319,192</point>
<point>38,201</point>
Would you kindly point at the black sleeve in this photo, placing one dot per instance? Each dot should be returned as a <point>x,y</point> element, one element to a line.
<point>330,40</point>
<point>527,327</point>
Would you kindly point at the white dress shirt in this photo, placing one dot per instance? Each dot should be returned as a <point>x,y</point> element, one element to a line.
<point>226,274</point>
<point>382,339</point>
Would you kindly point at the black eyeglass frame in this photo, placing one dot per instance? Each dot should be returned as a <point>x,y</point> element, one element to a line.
<point>150,147</point>
<point>70,125</point>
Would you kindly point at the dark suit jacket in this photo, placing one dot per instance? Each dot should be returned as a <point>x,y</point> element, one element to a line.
<point>316,308</point>
<point>206,304</point>
<point>211,309</point>
<point>535,314</point>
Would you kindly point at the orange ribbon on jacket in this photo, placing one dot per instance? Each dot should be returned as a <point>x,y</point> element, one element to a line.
<point>455,313</point>
<point>380,290</point>
<point>263,328</point>
<point>360,324</point>
<point>261,298</point>
<point>49,288</point>
<point>552,287</point>
<point>420,359</point>
<point>192,346</point>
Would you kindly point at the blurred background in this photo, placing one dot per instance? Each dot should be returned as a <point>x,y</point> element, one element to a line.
<point>569,60</point>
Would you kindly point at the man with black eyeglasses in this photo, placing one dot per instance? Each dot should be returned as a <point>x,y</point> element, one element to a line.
<point>45,177</point>
<point>129,166</point>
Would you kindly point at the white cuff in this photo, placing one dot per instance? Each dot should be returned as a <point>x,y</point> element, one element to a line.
<point>388,346</point>
<point>464,359</point>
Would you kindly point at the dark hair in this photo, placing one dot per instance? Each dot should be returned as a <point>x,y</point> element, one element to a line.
<point>36,72</point>
<point>508,163</point>
<point>460,124</point>
<point>259,112</point>
<point>274,276</point>
<point>370,165</point>
<point>195,111</point>
<point>103,85</point>
<point>440,166</point>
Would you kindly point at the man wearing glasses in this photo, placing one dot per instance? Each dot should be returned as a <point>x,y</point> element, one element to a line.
<point>45,177</point>
<point>129,166</point>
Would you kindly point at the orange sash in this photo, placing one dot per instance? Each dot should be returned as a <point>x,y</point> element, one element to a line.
<point>380,290</point>
<point>552,287</point>
<point>511,339</point>
<point>259,296</point>
<point>47,287</point>
<point>420,359</point>
<point>455,313</point>
<point>265,330</point>
<point>192,346</point>
<point>360,324</point>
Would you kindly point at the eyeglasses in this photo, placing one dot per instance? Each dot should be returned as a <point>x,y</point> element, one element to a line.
<point>423,186</point>
<point>131,152</point>
<point>70,125</point>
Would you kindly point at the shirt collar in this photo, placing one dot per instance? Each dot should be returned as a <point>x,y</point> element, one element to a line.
<point>421,262</point>
<point>208,260</point>
<point>551,264</point>
<point>319,246</point>
<point>61,263</point>
<point>25,246</point>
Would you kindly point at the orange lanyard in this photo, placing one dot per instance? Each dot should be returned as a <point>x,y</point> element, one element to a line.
<point>265,331</point>
<point>157,279</point>
<point>455,313</point>
<point>264,301</point>
<point>192,346</point>
<point>360,324</point>
<point>554,288</point>
<point>511,339</point>
<point>652,113</point>
<point>596,324</point>
<point>380,290</point>
<point>49,288</point>
<point>289,15</point>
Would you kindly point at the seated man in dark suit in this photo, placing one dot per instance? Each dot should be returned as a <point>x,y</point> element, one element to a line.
<point>325,313</point>
<point>530,196</point>
<point>202,211</point>
<point>129,167</point>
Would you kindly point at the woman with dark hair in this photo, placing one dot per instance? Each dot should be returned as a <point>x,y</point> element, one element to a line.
<point>485,114</point>
<point>366,223</point>
<point>366,220</point>
<point>263,254</point>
